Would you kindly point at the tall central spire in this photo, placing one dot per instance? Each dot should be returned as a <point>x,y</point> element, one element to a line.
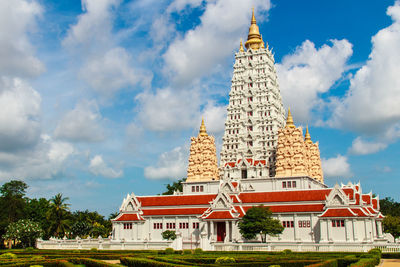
<point>254,40</point>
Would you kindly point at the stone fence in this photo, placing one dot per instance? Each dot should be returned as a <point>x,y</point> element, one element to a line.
<point>178,244</point>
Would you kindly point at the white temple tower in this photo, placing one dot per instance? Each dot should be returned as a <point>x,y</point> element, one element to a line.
<point>255,112</point>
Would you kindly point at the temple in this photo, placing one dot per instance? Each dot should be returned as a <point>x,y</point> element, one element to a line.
<point>265,160</point>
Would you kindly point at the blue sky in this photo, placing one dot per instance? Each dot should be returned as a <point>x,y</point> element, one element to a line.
<point>100,97</point>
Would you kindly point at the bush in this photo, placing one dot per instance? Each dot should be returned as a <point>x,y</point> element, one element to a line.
<point>275,265</point>
<point>327,263</point>
<point>91,262</point>
<point>36,258</point>
<point>187,251</point>
<point>198,251</point>
<point>93,249</point>
<point>8,255</point>
<point>36,266</point>
<point>286,251</point>
<point>169,251</point>
<point>169,235</point>
<point>224,260</point>
<point>365,262</point>
<point>139,262</point>
<point>29,249</point>
<point>375,251</point>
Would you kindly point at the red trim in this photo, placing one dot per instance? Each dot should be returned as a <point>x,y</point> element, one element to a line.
<point>375,203</point>
<point>174,211</point>
<point>176,200</point>
<point>367,199</point>
<point>130,217</point>
<point>338,213</point>
<point>284,196</point>
<point>292,208</point>
<point>349,192</point>
<point>219,215</point>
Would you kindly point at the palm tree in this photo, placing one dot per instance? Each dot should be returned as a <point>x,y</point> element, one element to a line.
<point>58,215</point>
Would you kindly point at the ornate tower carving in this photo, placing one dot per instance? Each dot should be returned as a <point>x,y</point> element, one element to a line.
<point>296,156</point>
<point>203,164</point>
<point>313,157</point>
<point>255,112</point>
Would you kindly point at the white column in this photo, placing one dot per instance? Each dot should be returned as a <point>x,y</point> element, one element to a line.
<point>346,225</point>
<point>379,225</point>
<point>366,230</point>
<point>355,230</point>
<point>328,230</point>
<point>226,237</point>
<point>295,228</point>
<point>322,224</point>
<point>311,228</point>
<point>150,228</point>
<point>373,224</point>
<point>212,231</point>
<point>234,231</point>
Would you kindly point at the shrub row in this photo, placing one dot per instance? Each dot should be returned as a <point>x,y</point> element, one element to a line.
<point>138,262</point>
<point>91,262</point>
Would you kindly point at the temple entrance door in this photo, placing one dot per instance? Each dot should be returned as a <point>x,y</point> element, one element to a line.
<point>221,231</point>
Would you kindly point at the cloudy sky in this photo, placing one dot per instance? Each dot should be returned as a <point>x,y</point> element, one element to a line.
<point>99,98</point>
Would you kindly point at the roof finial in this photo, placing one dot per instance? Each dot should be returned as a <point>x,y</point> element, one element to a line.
<point>308,136</point>
<point>253,18</point>
<point>254,38</point>
<point>203,131</point>
<point>241,49</point>
<point>289,120</point>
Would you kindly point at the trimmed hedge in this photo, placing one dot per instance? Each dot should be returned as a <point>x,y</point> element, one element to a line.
<point>138,262</point>
<point>92,263</point>
<point>365,262</point>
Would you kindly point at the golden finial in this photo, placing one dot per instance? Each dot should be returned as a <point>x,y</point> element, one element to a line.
<point>289,120</point>
<point>254,38</point>
<point>203,131</point>
<point>241,49</point>
<point>253,18</point>
<point>308,136</point>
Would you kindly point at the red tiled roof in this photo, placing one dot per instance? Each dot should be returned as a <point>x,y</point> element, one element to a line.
<point>235,184</point>
<point>349,192</point>
<point>360,212</point>
<point>186,211</point>
<point>366,198</point>
<point>284,196</point>
<point>380,216</point>
<point>176,200</point>
<point>375,203</point>
<point>338,213</point>
<point>219,215</point>
<point>130,217</point>
<point>357,199</point>
<point>232,164</point>
<point>370,210</point>
<point>293,208</point>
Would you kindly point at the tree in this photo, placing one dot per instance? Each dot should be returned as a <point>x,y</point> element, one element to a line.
<point>175,186</point>
<point>12,200</point>
<point>389,207</point>
<point>169,235</point>
<point>58,215</point>
<point>36,210</point>
<point>391,224</point>
<point>81,229</point>
<point>26,231</point>
<point>258,220</point>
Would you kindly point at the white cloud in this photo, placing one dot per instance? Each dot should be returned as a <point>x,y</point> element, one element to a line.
<point>17,18</point>
<point>46,160</point>
<point>99,167</point>
<point>201,49</point>
<point>171,165</point>
<point>106,66</point>
<point>336,167</point>
<point>82,124</point>
<point>214,118</point>
<point>167,110</point>
<point>309,72</point>
<point>20,117</point>
<point>371,106</point>
<point>112,71</point>
<point>362,147</point>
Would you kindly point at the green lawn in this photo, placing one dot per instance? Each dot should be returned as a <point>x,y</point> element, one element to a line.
<point>169,257</point>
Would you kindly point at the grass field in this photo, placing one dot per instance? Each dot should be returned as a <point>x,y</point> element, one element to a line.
<point>169,257</point>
